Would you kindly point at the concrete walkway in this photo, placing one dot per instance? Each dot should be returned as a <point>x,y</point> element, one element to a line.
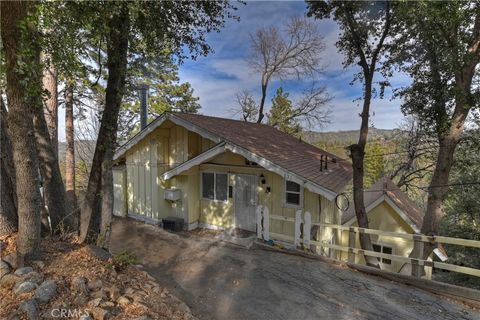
<point>220,281</point>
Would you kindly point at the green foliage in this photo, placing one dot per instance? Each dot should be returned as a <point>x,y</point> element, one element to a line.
<point>122,260</point>
<point>432,47</point>
<point>462,205</point>
<point>281,114</point>
<point>362,25</point>
<point>463,202</point>
<point>374,163</point>
<point>165,92</point>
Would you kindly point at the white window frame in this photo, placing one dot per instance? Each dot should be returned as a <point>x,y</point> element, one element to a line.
<point>382,245</point>
<point>300,193</point>
<point>214,186</point>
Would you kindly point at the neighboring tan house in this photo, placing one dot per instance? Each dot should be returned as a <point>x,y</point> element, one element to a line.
<point>213,172</point>
<point>388,209</point>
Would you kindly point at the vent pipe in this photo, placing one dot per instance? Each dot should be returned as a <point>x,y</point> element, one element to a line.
<point>143,106</point>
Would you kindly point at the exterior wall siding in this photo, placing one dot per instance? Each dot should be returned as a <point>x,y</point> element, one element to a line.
<point>384,217</point>
<point>120,192</point>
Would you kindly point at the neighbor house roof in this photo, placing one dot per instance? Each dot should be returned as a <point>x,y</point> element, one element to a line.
<point>266,143</point>
<point>386,189</point>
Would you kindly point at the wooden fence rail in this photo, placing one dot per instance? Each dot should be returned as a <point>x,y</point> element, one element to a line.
<point>352,250</point>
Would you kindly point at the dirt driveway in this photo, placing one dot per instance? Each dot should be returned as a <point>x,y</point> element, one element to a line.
<point>223,281</point>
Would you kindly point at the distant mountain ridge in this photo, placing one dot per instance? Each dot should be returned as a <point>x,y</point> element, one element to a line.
<point>84,149</point>
<point>348,136</point>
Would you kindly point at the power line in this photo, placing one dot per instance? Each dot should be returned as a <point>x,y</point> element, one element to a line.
<point>472,183</point>
<point>407,151</point>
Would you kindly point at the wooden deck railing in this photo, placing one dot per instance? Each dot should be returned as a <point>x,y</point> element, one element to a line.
<point>352,250</point>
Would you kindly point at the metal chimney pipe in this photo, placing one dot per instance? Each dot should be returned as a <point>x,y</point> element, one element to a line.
<point>143,106</point>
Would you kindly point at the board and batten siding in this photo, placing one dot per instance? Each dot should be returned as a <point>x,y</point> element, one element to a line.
<point>384,217</point>
<point>161,150</point>
<point>222,213</point>
<point>120,191</point>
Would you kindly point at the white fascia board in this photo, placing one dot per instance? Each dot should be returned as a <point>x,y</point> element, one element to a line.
<point>158,122</point>
<point>139,136</point>
<point>402,214</point>
<point>270,166</point>
<point>191,127</point>
<point>205,156</point>
<point>367,209</point>
<point>393,205</point>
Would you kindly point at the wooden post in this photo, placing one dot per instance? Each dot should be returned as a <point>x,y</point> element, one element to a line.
<point>259,221</point>
<point>298,224</point>
<point>351,244</point>
<point>307,226</point>
<point>266,223</point>
<point>418,246</point>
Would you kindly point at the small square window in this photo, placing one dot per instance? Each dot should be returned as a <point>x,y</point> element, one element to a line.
<point>221,187</point>
<point>293,198</point>
<point>292,186</point>
<point>208,185</point>
<point>292,193</point>
<point>215,186</point>
<point>387,250</point>
<point>383,249</point>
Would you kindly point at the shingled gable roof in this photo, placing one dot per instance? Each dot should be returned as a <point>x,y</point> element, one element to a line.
<point>277,147</point>
<point>386,187</point>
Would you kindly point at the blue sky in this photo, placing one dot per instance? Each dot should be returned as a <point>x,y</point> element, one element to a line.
<point>219,76</point>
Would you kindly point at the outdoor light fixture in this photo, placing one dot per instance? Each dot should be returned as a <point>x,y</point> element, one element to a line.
<point>263,181</point>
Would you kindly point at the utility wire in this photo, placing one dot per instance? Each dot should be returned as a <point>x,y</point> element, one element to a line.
<point>472,183</point>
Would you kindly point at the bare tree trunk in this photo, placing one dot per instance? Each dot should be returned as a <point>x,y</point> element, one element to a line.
<point>20,127</point>
<point>261,108</point>
<point>357,152</point>
<point>8,197</point>
<point>438,189</point>
<point>50,84</point>
<point>107,200</point>
<point>54,188</point>
<point>70,152</point>
<point>117,49</point>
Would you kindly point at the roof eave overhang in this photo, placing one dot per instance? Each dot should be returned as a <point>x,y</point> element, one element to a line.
<point>158,122</point>
<point>288,175</point>
<point>391,204</point>
<point>205,156</point>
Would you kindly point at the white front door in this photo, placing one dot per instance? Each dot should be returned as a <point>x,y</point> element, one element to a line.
<point>245,201</point>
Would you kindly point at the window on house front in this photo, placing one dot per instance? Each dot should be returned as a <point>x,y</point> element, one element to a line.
<point>292,193</point>
<point>383,249</point>
<point>215,186</point>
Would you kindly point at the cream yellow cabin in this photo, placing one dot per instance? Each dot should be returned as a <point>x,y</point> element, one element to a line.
<point>388,209</point>
<point>213,172</point>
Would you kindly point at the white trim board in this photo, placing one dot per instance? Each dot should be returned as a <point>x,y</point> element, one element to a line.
<point>287,175</point>
<point>202,157</point>
<point>391,204</point>
<point>158,122</point>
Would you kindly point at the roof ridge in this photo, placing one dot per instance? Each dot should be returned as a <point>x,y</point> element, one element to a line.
<point>299,140</point>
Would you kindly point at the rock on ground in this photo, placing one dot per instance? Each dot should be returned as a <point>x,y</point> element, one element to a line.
<point>4,268</point>
<point>46,291</point>
<point>30,308</point>
<point>11,259</point>
<point>9,280</point>
<point>23,271</point>
<point>24,287</point>
<point>79,285</point>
